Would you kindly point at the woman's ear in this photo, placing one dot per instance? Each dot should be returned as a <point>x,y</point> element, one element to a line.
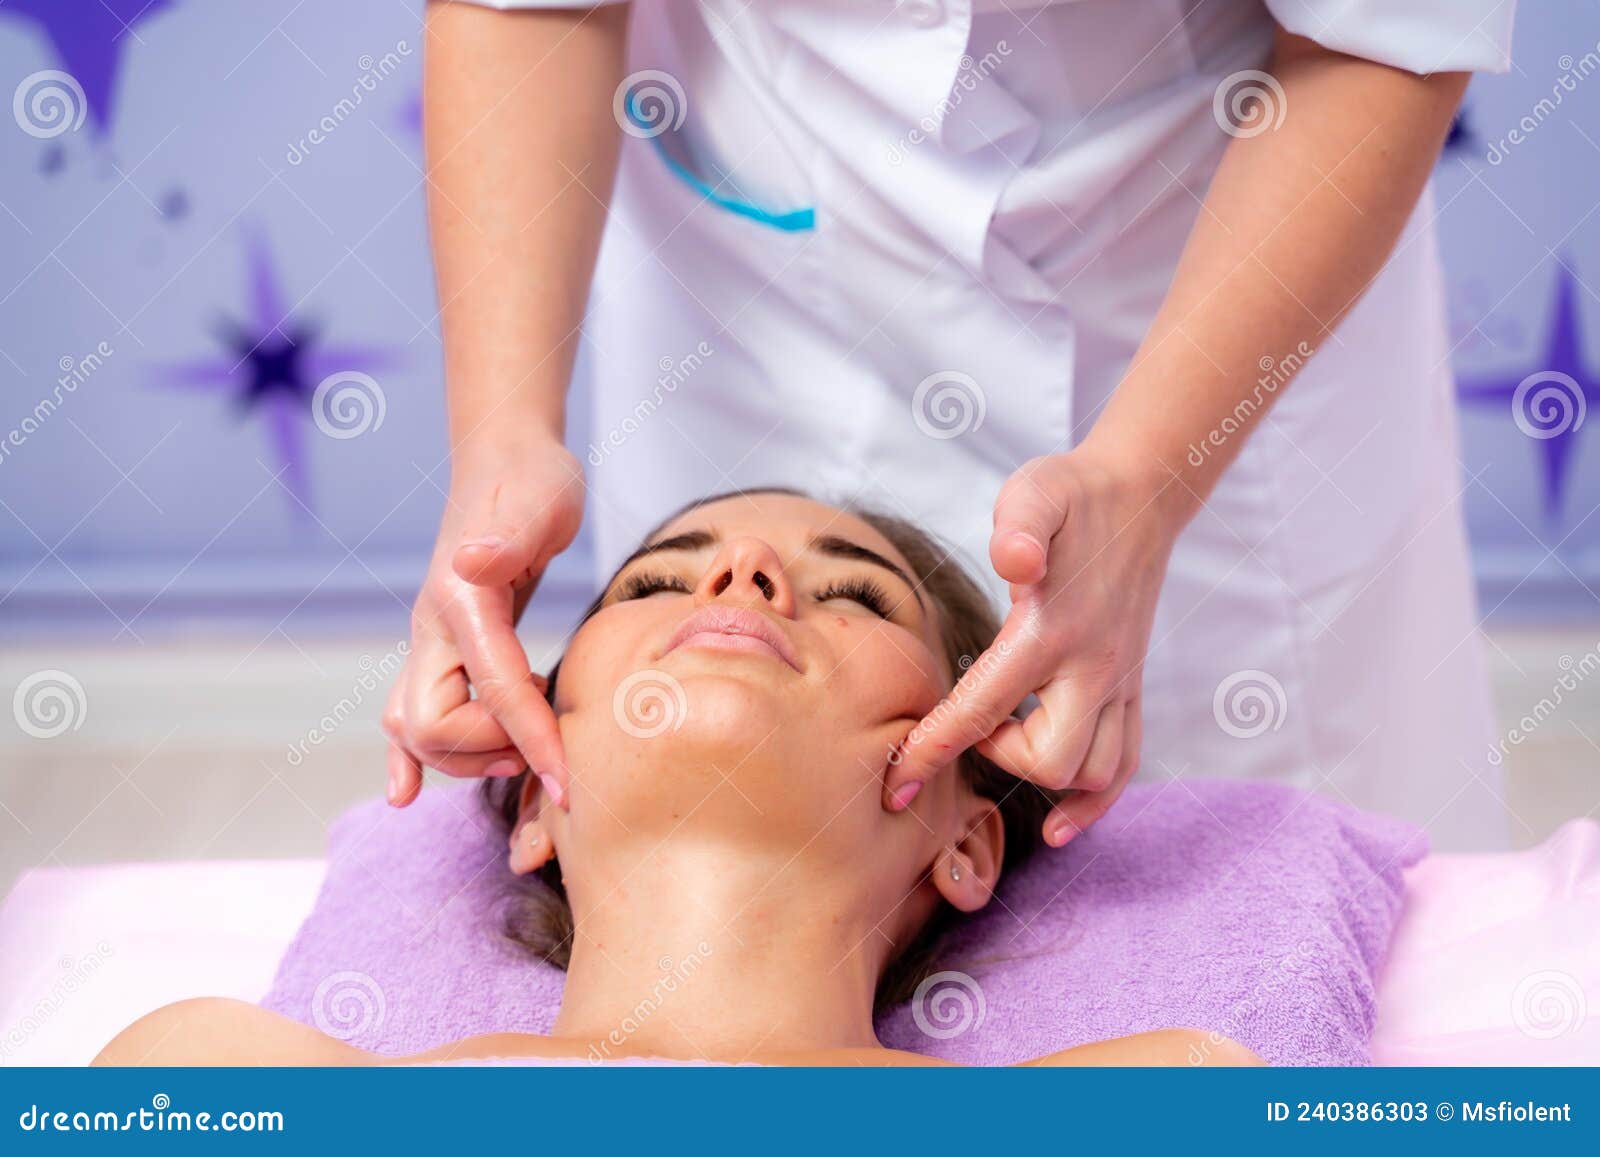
<point>967,872</point>
<point>531,847</point>
<point>531,844</point>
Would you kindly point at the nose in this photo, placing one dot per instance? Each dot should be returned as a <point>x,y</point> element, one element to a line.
<point>747,570</point>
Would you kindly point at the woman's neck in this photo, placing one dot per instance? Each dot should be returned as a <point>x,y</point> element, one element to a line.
<point>715,953</point>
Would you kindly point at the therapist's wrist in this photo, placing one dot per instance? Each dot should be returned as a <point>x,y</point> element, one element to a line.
<point>508,426</point>
<point>1146,478</point>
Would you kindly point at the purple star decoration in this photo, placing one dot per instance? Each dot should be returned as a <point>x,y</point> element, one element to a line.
<point>1548,404</point>
<point>274,367</point>
<point>88,38</point>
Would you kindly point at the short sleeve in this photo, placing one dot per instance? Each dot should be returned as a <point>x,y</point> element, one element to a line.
<point>1420,36</point>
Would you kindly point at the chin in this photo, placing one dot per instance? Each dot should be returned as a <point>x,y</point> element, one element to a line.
<point>729,712</point>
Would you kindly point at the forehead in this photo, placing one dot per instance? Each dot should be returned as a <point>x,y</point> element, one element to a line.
<point>786,522</point>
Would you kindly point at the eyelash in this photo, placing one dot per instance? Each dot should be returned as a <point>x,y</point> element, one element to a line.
<point>639,586</point>
<point>864,591</point>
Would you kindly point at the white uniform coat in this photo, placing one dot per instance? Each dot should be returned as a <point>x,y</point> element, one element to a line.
<point>889,252</point>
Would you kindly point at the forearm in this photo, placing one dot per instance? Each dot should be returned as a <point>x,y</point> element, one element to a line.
<point>1296,224</point>
<point>521,150</point>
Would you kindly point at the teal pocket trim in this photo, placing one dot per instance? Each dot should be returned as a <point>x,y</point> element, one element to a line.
<point>793,221</point>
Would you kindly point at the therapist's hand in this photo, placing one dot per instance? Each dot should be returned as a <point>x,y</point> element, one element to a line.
<point>513,506</point>
<point>1083,540</point>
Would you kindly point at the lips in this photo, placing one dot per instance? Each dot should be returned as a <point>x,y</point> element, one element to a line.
<point>736,629</point>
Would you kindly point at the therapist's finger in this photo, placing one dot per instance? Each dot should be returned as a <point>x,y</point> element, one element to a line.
<point>498,667</point>
<point>1099,770</point>
<point>1071,817</point>
<point>984,698</point>
<point>405,776</point>
<point>513,538</point>
<point>1027,516</point>
<point>1050,745</point>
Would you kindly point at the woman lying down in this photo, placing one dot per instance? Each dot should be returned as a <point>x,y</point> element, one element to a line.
<point>792,646</point>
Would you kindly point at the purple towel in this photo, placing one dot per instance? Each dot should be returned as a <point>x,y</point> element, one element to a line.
<point>1259,912</point>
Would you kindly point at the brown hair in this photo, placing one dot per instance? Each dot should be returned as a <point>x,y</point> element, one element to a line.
<point>540,917</point>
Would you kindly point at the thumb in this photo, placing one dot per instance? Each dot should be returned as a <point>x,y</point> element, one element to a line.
<point>1026,518</point>
<point>508,541</point>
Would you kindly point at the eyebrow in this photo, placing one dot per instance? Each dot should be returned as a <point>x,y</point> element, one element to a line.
<point>831,545</point>
<point>835,547</point>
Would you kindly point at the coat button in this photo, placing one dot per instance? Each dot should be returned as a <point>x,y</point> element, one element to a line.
<point>925,13</point>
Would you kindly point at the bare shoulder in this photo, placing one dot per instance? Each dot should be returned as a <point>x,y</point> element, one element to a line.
<point>213,1030</point>
<point>1194,1047</point>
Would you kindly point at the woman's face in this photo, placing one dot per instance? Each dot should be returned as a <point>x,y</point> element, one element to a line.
<point>748,675</point>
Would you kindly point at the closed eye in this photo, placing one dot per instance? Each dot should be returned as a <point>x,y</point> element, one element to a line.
<point>642,586</point>
<point>864,591</point>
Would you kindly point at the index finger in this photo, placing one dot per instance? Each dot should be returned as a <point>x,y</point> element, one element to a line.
<point>985,696</point>
<point>498,667</point>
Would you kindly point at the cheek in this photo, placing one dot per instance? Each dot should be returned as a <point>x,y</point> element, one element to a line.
<point>884,674</point>
<point>605,651</point>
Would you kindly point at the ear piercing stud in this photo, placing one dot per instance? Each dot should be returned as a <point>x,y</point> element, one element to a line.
<point>955,870</point>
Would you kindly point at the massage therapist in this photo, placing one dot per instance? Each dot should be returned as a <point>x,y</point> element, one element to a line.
<point>1138,301</point>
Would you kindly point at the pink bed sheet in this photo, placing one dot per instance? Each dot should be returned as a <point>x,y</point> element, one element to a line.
<point>1495,961</point>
